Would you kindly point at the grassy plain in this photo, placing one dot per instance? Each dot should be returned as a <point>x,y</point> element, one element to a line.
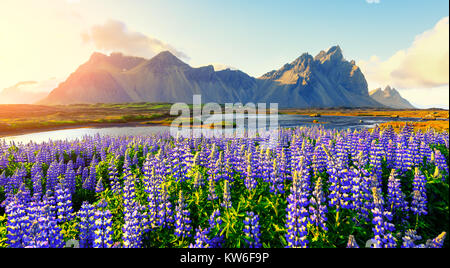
<point>21,119</point>
<point>17,119</point>
<point>427,113</point>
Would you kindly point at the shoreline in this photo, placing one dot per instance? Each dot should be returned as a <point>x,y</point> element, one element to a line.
<point>20,132</point>
<point>146,123</point>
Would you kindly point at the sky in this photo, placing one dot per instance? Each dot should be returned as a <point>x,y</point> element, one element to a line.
<point>403,43</point>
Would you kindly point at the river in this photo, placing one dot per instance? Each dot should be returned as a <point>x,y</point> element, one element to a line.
<point>284,121</point>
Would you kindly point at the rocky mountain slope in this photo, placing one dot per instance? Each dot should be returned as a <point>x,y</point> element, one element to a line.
<point>391,98</point>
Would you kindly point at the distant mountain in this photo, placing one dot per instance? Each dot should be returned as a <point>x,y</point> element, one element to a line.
<point>18,94</point>
<point>327,80</point>
<point>391,98</point>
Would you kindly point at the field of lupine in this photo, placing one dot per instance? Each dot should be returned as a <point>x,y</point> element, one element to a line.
<point>315,188</point>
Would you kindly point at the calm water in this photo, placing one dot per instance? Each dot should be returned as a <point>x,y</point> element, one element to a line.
<point>286,121</point>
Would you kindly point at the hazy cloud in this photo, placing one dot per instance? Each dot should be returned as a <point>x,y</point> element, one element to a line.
<point>221,67</point>
<point>373,1</point>
<point>425,64</point>
<point>115,36</point>
<point>28,92</point>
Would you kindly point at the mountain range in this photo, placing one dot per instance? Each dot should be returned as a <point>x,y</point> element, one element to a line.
<point>326,80</point>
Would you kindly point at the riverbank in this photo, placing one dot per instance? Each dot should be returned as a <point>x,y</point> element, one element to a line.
<point>26,119</point>
<point>427,114</point>
<point>438,125</point>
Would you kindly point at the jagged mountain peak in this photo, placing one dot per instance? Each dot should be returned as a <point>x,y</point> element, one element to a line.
<point>376,91</point>
<point>165,61</point>
<point>390,97</point>
<point>330,64</point>
<point>168,58</point>
<point>387,92</point>
<point>333,54</point>
<point>114,61</point>
<point>304,57</point>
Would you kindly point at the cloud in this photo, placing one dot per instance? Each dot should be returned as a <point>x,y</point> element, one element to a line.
<point>28,92</point>
<point>373,1</point>
<point>425,64</point>
<point>114,36</point>
<point>436,98</point>
<point>221,67</point>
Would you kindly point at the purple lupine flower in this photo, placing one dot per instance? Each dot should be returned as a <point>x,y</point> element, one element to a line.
<point>226,203</point>
<point>297,214</point>
<point>50,201</point>
<point>250,182</point>
<point>440,161</point>
<point>201,239</point>
<point>391,154</point>
<point>319,160</point>
<point>70,180</point>
<point>318,208</point>
<point>214,226</point>
<point>252,230</point>
<point>132,226</point>
<point>114,178</point>
<point>46,234</point>
<point>198,181</point>
<point>79,163</point>
<point>3,179</point>
<point>376,155</point>
<point>37,187</point>
<point>165,213</point>
<point>349,183</point>
<point>410,238</point>
<point>402,157</point>
<point>63,204</point>
<point>32,226</point>
<point>408,150</point>
<point>419,198</point>
<point>152,188</point>
<point>341,153</point>
<point>90,182</point>
<point>437,242</point>
<point>395,197</point>
<point>335,194</point>
<point>182,221</point>
<point>24,194</point>
<point>52,176</point>
<point>425,151</point>
<point>86,225</point>
<point>211,190</point>
<point>84,175</point>
<point>99,186</point>
<point>414,152</point>
<point>15,226</point>
<point>103,227</point>
<point>383,227</point>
